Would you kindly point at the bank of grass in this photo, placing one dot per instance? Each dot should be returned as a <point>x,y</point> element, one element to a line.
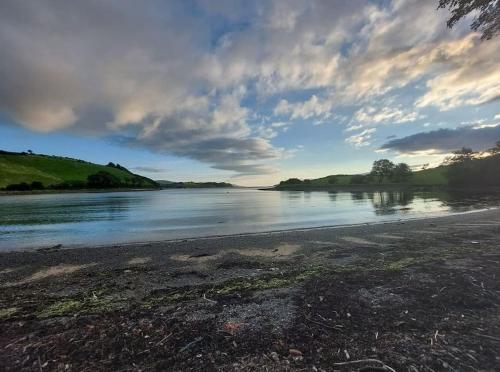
<point>16,168</point>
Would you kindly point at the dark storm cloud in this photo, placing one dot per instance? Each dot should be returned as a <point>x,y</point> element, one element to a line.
<point>446,140</point>
<point>149,169</point>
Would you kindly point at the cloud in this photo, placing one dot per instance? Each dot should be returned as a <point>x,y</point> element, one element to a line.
<point>361,139</point>
<point>313,107</point>
<point>473,80</point>
<point>446,140</point>
<point>149,169</point>
<point>120,70</point>
<point>384,115</point>
<point>266,132</point>
<point>189,78</point>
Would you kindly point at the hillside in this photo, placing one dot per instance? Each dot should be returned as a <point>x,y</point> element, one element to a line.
<point>428,177</point>
<point>192,185</point>
<point>65,173</point>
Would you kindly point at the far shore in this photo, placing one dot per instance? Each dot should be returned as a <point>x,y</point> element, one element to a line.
<point>408,295</point>
<point>382,187</point>
<point>79,191</point>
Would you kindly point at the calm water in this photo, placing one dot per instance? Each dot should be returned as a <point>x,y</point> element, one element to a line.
<point>29,221</point>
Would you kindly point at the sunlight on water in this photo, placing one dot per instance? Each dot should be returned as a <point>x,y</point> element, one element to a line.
<point>106,218</point>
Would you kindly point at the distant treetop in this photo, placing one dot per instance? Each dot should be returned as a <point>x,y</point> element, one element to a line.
<point>487,19</point>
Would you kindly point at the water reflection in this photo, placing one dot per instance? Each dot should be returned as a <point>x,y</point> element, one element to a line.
<point>332,195</point>
<point>68,209</point>
<point>390,202</point>
<point>35,220</point>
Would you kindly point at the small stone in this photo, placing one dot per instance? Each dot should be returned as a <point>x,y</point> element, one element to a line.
<point>295,352</point>
<point>274,356</point>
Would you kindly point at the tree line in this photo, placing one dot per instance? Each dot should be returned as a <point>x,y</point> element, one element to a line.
<point>468,168</point>
<point>99,180</point>
<point>383,171</point>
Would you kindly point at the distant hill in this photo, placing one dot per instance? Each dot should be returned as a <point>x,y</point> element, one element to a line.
<point>428,177</point>
<point>192,185</point>
<point>45,171</point>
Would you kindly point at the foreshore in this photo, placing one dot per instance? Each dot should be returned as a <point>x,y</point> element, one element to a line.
<point>408,295</point>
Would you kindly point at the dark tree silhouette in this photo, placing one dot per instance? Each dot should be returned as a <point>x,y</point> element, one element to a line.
<point>495,150</point>
<point>382,168</point>
<point>463,155</point>
<point>401,172</point>
<point>487,19</point>
<point>332,180</point>
<point>103,180</point>
<point>467,168</point>
<point>291,181</point>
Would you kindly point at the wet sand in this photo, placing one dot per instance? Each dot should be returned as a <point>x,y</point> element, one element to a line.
<point>413,295</point>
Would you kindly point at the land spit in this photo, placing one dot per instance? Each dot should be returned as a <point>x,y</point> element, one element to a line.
<point>419,295</point>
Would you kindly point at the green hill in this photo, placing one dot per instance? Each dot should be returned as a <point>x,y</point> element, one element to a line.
<point>65,173</point>
<point>192,185</point>
<point>428,177</point>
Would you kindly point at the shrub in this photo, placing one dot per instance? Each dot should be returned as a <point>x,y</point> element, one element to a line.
<point>103,180</point>
<point>291,181</point>
<point>23,186</point>
<point>360,179</point>
<point>332,180</point>
<point>37,185</point>
<point>70,185</point>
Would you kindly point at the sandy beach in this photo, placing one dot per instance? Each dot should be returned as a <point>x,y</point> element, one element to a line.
<point>413,295</point>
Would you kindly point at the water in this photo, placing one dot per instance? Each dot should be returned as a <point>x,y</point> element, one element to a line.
<point>32,221</point>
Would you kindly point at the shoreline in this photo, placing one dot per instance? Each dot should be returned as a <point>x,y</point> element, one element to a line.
<point>82,191</point>
<point>90,191</point>
<point>282,301</point>
<point>244,235</point>
<point>384,188</point>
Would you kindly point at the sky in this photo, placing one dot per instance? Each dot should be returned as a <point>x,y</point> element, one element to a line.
<point>249,92</point>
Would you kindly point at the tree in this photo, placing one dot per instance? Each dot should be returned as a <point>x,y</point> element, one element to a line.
<point>23,186</point>
<point>332,180</point>
<point>103,180</point>
<point>401,172</point>
<point>37,185</point>
<point>461,156</point>
<point>291,181</point>
<point>382,168</point>
<point>487,19</point>
<point>495,150</point>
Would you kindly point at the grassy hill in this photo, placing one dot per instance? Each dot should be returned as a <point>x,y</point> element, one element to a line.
<point>428,177</point>
<point>58,172</point>
<point>192,185</point>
